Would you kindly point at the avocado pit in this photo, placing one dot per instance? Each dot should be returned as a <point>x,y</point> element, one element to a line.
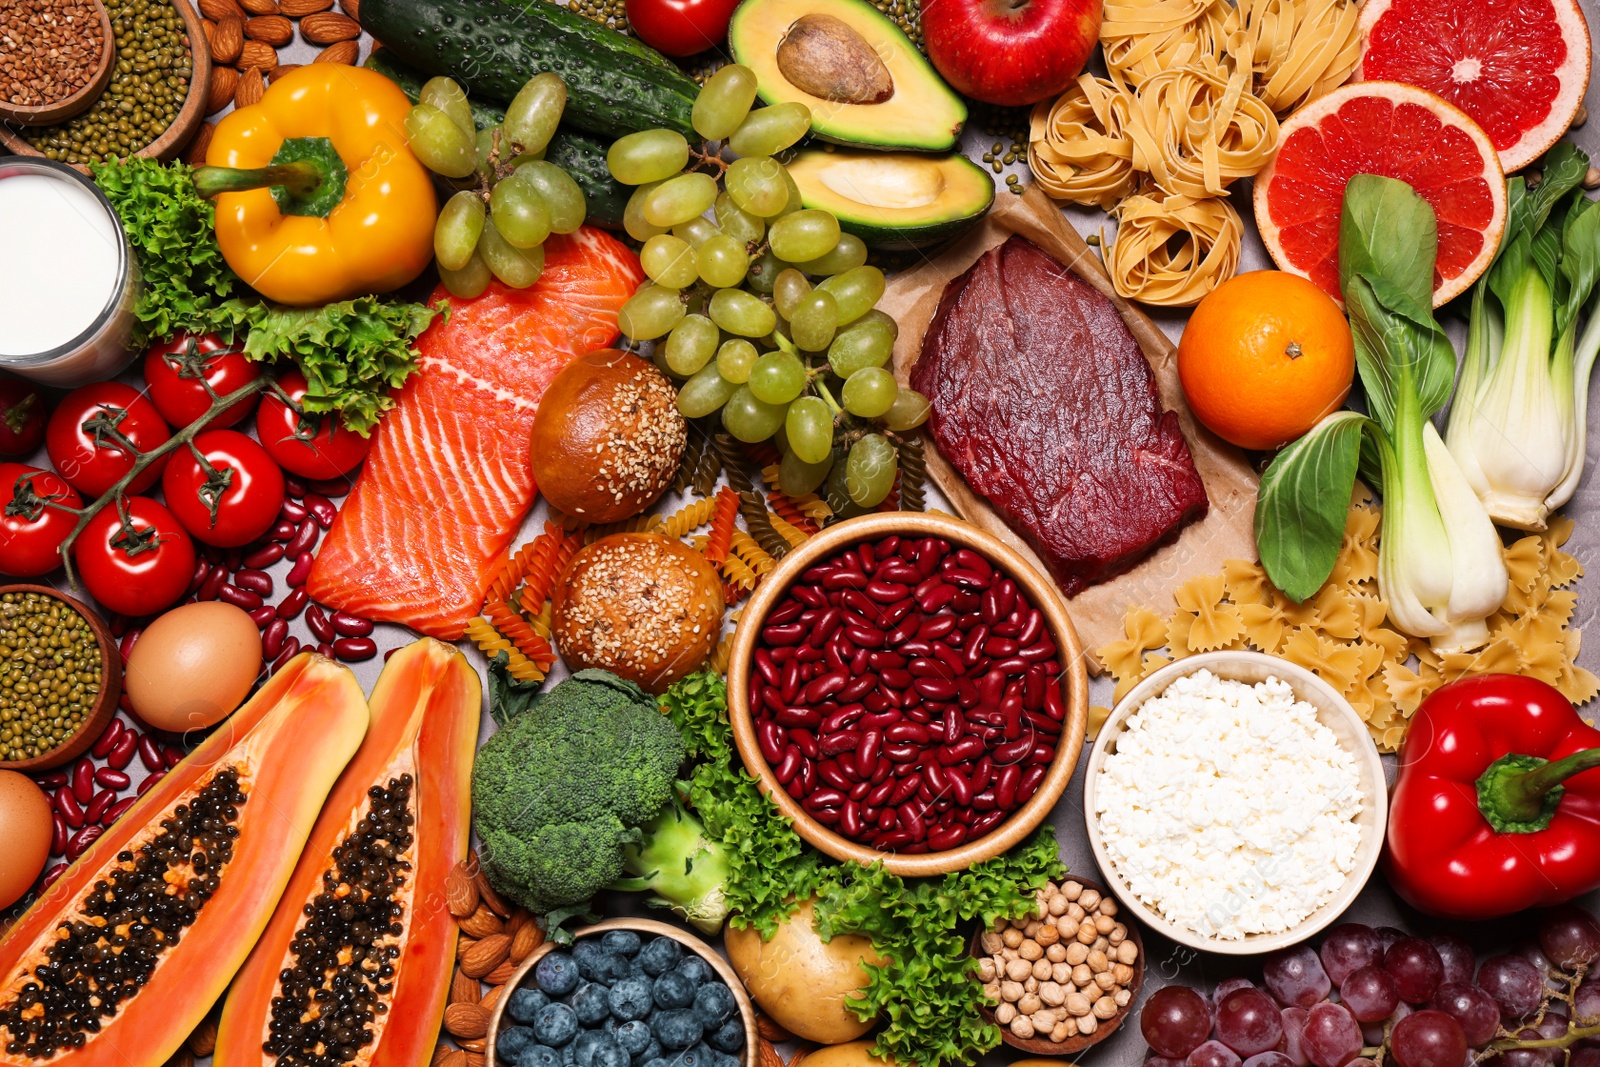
<point>825,57</point>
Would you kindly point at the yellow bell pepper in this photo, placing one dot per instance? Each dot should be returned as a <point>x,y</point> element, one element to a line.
<point>318,195</point>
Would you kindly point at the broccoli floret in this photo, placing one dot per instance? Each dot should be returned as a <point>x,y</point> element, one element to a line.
<point>564,787</point>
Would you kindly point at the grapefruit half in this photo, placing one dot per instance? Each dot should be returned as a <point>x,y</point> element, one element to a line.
<point>1518,67</point>
<point>1398,131</point>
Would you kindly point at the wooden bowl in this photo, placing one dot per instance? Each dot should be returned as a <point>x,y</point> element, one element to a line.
<point>104,709</point>
<point>1039,589</point>
<point>1039,1046</point>
<point>188,119</point>
<point>59,110</point>
<point>1333,711</point>
<point>747,1010</point>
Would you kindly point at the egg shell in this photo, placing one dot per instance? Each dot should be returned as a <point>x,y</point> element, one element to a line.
<point>193,666</point>
<point>802,981</point>
<point>25,829</point>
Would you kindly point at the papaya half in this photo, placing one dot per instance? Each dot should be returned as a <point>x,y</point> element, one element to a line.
<point>124,955</point>
<point>354,967</point>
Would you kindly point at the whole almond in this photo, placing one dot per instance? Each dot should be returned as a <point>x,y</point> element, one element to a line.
<point>482,923</point>
<point>227,40</point>
<point>251,88</point>
<point>343,52</point>
<point>257,55</point>
<point>501,974</point>
<point>466,1021</point>
<point>351,8</point>
<point>269,29</point>
<point>473,1044</point>
<point>496,903</point>
<point>460,892</point>
<point>770,1056</point>
<point>203,1041</point>
<point>296,9</point>
<point>770,1030</point>
<point>326,27</point>
<point>527,938</point>
<point>485,955</point>
<point>464,990</point>
<point>491,998</point>
<point>219,93</point>
<point>259,7</point>
<point>280,70</point>
<point>195,155</point>
<point>217,10</point>
<point>209,29</point>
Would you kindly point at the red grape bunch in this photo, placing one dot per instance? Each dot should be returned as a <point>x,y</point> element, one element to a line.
<point>1382,995</point>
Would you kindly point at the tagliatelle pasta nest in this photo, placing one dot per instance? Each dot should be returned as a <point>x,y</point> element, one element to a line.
<point>1191,104</point>
<point>1342,633</point>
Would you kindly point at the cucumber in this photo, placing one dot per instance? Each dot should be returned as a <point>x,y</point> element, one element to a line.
<point>616,85</point>
<point>580,154</point>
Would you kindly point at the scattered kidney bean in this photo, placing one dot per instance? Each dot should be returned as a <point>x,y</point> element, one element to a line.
<point>322,509</point>
<point>121,753</point>
<point>272,638</point>
<point>290,649</point>
<point>325,649</point>
<point>108,740</point>
<point>111,778</point>
<point>260,558</point>
<point>293,486</point>
<point>82,840</point>
<point>263,615</point>
<point>339,486</point>
<point>293,604</point>
<point>97,807</point>
<point>297,573</point>
<point>202,568</point>
<point>58,834</point>
<point>83,780</point>
<point>283,530</point>
<point>68,807</point>
<point>117,810</point>
<point>347,625</point>
<point>239,598</point>
<point>317,622</point>
<point>150,754</point>
<point>213,584</point>
<point>53,780</point>
<point>256,581</point>
<point>304,538</point>
<point>293,511</point>
<point>151,782</point>
<point>906,693</point>
<point>172,756</point>
<point>355,649</point>
<point>51,875</point>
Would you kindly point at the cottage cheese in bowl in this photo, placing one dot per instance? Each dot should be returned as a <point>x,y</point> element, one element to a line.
<point>1228,809</point>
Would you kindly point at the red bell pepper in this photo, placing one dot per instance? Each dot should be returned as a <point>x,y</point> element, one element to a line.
<point>1497,804</point>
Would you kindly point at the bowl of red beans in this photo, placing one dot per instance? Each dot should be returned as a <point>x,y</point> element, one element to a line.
<point>908,689</point>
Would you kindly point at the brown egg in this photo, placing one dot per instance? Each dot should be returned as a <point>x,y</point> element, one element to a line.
<point>193,666</point>
<point>25,828</point>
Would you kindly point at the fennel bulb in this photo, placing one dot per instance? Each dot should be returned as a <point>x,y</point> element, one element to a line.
<point>1516,428</point>
<point>1440,568</point>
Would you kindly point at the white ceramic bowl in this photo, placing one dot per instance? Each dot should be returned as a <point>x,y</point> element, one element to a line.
<point>1333,711</point>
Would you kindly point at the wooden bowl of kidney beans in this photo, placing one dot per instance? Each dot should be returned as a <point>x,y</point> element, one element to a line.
<point>908,689</point>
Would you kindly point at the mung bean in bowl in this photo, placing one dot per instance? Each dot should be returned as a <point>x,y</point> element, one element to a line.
<point>60,677</point>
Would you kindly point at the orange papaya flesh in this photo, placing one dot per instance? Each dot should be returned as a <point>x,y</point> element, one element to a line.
<point>126,953</point>
<point>354,967</point>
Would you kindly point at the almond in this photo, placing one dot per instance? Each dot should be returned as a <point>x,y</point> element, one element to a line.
<point>463,944</point>
<point>441,1052</point>
<point>217,10</point>
<point>269,29</point>
<point>473,1059</point>
<point>259,7</point>
<point>209,29</point>
<point>519,917</point>
<point>251,88</point>
<point>491,998</point>
<point>344,52</point>
<point>473,1044</point>
<point>501,974</point>
<point>326,27</point>
<point>527,938</point>
<point>770,1056</point>
<point>460,892</point>
<point>280,70</point>
<point>491,898</point>
<point>204,1039</point>
<point>466,1021</point>
<point>296,9</point>
<point>770,1030</point>
<point>799,1054</point>
<point>351,8</point>
<point>457,1058</point>
<point>257,55</point>
<point>228,39</point>
<point>485,955</point>
<point>482,923</point>
<point>219,93</point>
<point>464,990</point>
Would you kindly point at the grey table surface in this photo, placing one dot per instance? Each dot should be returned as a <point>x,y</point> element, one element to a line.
<point>1168,962</point>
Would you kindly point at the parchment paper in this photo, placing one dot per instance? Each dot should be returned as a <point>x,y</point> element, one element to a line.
<point>1225,533</point>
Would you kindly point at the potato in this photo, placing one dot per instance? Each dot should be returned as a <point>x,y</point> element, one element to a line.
<point>854,1054</point>
<point>802,982</point>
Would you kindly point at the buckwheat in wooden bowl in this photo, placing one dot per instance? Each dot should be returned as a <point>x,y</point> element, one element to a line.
<point>25,619</point>
<point>1086,961</point>
<point>1318,815</point>
<point>647,930</point>
<point>79,35</point>
<point>908,690</point>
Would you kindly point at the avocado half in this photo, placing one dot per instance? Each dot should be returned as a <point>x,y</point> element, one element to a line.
<point>894,200</point>
<point>921,112</point>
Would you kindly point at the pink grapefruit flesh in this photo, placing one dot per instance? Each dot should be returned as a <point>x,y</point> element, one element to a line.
<point>1398,131</point>
<point>1518,67</point>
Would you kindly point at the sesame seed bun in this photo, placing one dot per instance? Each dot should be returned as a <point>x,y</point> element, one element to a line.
<point>607,437</point>
<point>640,605</point>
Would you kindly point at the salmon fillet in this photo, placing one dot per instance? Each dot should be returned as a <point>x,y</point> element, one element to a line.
<point>449,478</point>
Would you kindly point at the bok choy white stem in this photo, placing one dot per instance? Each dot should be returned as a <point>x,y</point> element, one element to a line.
<point>1516,428</point>
<point>1440,568</point>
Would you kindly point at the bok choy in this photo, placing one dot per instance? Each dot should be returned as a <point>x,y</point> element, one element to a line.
<point>1440,568</point>
<point>1517,425</point>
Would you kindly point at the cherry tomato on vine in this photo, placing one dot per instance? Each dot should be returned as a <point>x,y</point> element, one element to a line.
<point>312,446</point>
<point>23,412</point>
<point>681,27</point>
<point>177,371</point>
<point>31,531</point>
<point>138,568</point>
<point>81,443</point>
<point>232,503</point>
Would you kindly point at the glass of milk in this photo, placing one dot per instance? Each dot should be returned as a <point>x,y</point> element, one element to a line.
<point>68,279</point>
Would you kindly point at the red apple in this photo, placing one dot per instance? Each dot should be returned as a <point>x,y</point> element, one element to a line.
<point>1010,52</point>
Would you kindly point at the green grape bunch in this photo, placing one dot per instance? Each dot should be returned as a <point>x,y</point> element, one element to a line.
<point>509,199</point>
<point>760,308</point>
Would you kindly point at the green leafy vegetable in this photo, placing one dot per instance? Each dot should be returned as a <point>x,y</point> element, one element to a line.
<point>928,993</point>
<point>1302,503</point>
